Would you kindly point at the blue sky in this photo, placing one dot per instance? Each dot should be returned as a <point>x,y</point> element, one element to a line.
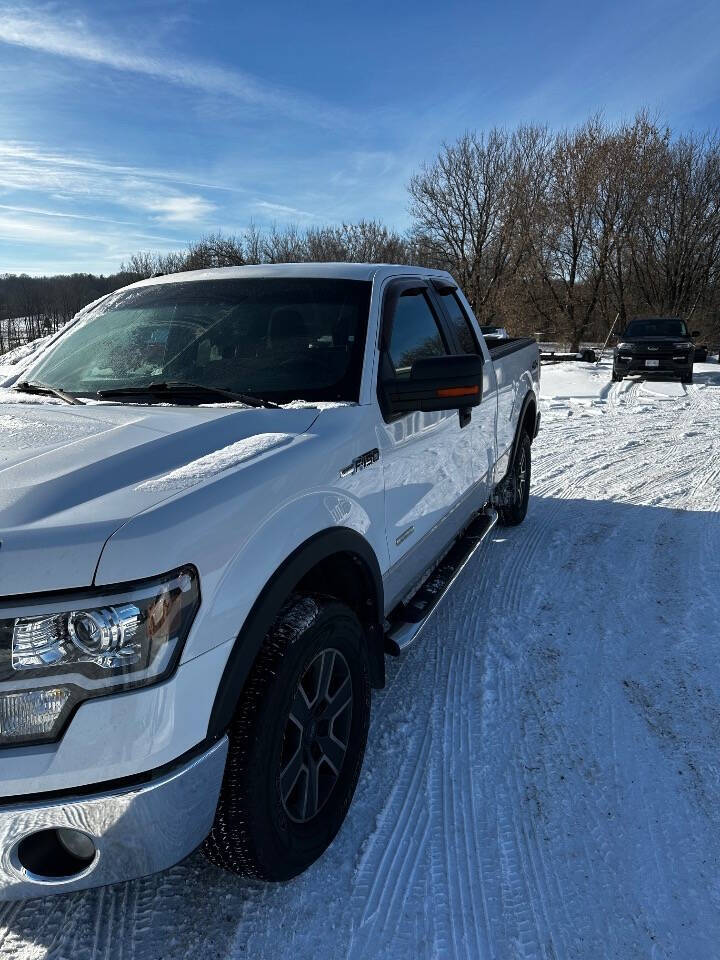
<point>143,125</point>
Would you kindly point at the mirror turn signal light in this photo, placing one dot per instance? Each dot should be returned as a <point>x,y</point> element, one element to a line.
<point>459,391</point>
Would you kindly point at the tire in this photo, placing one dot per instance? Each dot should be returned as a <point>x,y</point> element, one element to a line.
<point>687,379</point>
<point>616,377</point>
<point>264,826</point>
<point>513,493</point>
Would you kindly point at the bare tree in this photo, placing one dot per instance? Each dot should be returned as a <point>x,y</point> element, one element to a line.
<point>470,209</point>
<point>214,250</point>
<point>633,165</point>
<point>367,241</point>
<point>146,264</point>
<point>569,251</point>
<point>676,246</point>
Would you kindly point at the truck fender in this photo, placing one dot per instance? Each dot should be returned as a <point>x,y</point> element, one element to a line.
<point>265,610</point>
<point>528,416</point>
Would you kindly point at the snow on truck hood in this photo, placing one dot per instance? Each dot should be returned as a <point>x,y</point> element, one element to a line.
<point>71,476</point>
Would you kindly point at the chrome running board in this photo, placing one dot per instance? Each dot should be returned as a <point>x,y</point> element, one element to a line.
<point>408,620</point>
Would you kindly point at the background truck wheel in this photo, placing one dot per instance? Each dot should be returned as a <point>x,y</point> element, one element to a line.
<point>296,743</point>
<point>514,491</point>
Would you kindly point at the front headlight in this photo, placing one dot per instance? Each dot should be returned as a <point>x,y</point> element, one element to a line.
<point>682,346</point>
<point>57,652</point>
<point>624,346</point>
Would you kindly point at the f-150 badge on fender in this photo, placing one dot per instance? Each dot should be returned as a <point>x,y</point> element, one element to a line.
<point>359,463</point>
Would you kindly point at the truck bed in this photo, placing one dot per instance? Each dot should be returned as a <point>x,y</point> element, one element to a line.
<point>502,346</point>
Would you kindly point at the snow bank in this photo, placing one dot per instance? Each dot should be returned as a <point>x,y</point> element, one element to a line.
<point>12,362</point>
<point>207,467</point>
<point>574,380</point>
<point>662,389</point>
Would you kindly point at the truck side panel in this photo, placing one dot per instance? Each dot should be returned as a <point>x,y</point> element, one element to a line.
<point>517,368</point>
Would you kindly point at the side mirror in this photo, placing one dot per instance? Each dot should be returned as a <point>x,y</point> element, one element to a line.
<point>437,383</point>
<point>695,333</point>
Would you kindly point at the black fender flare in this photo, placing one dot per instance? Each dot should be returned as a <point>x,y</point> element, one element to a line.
<point>530,401</point>
<point>268,604</point>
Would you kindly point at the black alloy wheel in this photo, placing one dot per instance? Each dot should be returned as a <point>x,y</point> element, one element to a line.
<point>316,736</point>
<point>513,494</point>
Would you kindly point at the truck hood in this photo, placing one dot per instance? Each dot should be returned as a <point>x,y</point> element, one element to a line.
<point>656,341</point>
<point>71,476</point>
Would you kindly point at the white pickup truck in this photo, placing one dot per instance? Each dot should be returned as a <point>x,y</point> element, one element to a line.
<point>225,496</point>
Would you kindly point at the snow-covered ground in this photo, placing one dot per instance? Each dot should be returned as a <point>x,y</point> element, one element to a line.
<point>543,771</point>
<point>12,362</point>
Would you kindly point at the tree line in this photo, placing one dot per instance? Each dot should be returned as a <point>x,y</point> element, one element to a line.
<point>32,307</point>
<point>551,232</point>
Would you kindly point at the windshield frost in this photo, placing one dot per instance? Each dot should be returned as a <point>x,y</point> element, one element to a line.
<point>281,339</point>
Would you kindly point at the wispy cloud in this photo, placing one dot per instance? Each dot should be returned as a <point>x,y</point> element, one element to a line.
<point>23,162</point>
<point>35,229</point>
<point>37,240</point>
<point>75,39</point>
<point>42,212</point>
<point>185,209</point>
<point>284,211</point>
<point>90,214</point>
<point>29,169</point>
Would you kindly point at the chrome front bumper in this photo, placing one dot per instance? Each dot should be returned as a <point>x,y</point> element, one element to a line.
<point>135,831</point>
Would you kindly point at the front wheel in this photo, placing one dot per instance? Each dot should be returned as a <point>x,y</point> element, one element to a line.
<point>513,494</point>
<point>296,744</point>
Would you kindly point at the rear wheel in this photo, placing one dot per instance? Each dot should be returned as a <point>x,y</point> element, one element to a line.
<point>513,493</point>
<point>296,744</point>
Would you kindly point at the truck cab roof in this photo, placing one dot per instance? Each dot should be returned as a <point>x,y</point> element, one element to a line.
<point>340,271</point>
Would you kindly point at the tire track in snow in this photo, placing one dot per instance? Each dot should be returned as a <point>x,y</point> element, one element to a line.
<point>523,546</point>
<point>519,909</point>
<point>388,865</point>
<point>453,791</point>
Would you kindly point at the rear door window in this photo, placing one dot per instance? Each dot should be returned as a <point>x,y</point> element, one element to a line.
<point>460,322</point>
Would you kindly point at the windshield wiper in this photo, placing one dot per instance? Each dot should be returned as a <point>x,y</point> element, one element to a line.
<point>44,390</point>
<point>180,388</point>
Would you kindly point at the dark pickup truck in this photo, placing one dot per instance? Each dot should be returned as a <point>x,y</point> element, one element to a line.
<point>655,345</point>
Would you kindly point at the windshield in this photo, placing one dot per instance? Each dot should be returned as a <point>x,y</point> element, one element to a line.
<point>656,328</point>
<point>280,339</point>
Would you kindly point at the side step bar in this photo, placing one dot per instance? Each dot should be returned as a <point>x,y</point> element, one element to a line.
<point>408,620</point>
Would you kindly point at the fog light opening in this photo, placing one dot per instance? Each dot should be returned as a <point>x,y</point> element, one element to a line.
<point>58,854</point>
